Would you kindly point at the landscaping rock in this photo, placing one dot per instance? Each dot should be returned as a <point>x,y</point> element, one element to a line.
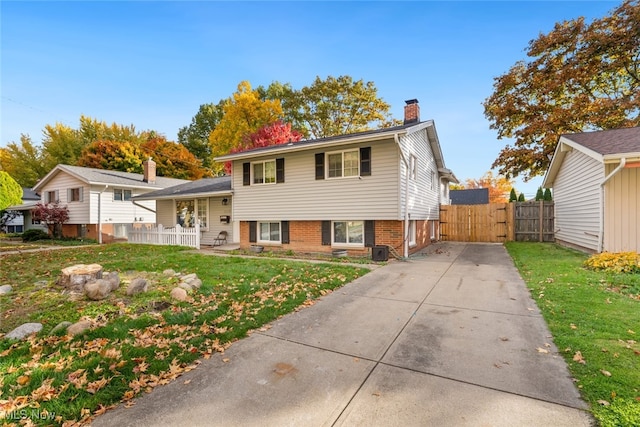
<point>195,283</point>
<point>24,331</point>
<point>62,326</point>
<point>98,290</point>
<point>75,277</point>
<point>5,289</point>
<point>114,279</point>
<point>137,285</point>
<point>169,272</point>
<point>78,327</point>
<point>187,287</point>
<point>179,294</point>
<point>189,277</point>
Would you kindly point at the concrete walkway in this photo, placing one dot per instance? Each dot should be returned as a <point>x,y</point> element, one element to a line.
<point>446,339</point>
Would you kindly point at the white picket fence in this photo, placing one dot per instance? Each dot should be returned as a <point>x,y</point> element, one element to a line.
<point>178,235</point>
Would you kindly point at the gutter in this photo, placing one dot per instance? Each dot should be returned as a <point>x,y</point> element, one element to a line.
<point>623,162</point>
<point>406,199</point>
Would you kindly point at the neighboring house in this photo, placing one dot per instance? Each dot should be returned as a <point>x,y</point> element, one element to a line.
<point>100,202</point>
<point>207,201</point>
<point>23,221</point>
<point>595,178</point>
<point>474,196</point>
<point>353,192</point>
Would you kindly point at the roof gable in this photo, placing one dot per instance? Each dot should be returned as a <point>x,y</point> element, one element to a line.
<point>603,146</point>
<point>93,176</point>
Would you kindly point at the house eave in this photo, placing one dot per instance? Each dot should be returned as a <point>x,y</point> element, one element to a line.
<point>292,147</point>
<point>184,196</point>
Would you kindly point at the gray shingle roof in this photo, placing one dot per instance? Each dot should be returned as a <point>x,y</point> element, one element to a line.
<point>220,184</point>
<point>103,176</point>
<point>615,141</point>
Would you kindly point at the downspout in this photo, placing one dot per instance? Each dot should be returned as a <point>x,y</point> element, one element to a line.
<point>100,213</point>
<point>613,173</point>
<point>406,199</point>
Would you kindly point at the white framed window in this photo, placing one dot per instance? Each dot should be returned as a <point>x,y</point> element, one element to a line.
<point>348,233</point>
<point>190,211</point>
<point>413,167</point>
<point>120,195</point>
<point>412,233</point>
<point>269,232</point>
<point>264,172</point>
<point>343,164</point>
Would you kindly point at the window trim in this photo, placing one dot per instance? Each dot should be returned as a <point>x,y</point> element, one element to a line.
<point>263,163</point>
<point>70,195</point>
<point>342,162</point>
<point>347,244</point>
<point>123,193</point>
<point>259,232</point>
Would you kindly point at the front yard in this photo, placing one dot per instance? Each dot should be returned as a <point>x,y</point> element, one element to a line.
<point>594,318</point>
<point>135,342</point>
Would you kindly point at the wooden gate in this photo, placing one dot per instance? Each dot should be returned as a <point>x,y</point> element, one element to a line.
<point>476,223</point>
<point>498,222</point>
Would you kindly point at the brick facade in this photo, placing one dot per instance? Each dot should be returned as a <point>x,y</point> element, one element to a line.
<point>306,237</point>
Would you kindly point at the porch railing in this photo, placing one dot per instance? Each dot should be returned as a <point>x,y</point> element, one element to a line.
<point>178,235</point>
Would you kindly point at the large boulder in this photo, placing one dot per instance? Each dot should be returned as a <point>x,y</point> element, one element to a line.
<point>97,290</point>
<point>113,278</point>
<point>75,277</point>
<point>79,327</point>
<point>137,285</point>
<point>24,331</point>
<point>179,294</point>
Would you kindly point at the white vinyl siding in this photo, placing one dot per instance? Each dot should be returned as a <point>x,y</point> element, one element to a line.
<point>423,192</point>
<point>120,212</point>
<point>622,211</point>
<point>60,185</point>
<point>302,197</point>
<point>576,193</point>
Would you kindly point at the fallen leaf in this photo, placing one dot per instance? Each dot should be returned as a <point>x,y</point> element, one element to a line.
<point>186,382</point>
<point>573,326</point>
<point>504,339</point>
<point>605,373</point>
<point>226,360</point>
<point>542,350</point>
<point>23,379</point>
<point>631,332</point>
<point>603,402</point>
<point>578,358</point>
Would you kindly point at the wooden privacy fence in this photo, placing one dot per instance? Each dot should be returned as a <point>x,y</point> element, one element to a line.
<point>497,222</point>
<point>180,236</point>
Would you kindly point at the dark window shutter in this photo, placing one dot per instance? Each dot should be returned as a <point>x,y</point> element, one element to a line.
<point>279,170</point>
<point>320,166</point>
<point>369,234</point>
<point>365,161</point>
<point>326,233</point>
<point>246,174</point>
<point>284,232</point>
<point>253,231</point>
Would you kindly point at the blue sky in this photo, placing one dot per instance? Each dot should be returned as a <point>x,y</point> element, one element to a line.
<point>152,64</point>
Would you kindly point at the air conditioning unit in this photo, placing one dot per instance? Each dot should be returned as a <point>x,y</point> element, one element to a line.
<point>380,253</point>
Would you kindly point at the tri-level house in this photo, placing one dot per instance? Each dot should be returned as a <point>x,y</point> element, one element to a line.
<point>350,192</point>
<point>100,202</point>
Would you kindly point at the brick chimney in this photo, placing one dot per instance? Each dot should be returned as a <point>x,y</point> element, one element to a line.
<point>411,112</point>
<point>149,171</point>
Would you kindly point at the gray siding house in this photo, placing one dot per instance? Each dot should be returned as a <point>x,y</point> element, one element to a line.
<point>350,192</point>
<point>595,178</point>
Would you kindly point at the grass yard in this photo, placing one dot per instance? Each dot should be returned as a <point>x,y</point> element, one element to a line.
<point>595,321</point>
<point>135,342</point>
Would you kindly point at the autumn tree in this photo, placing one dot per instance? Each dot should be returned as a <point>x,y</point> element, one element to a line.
<point>270,134</point>
<point>173,160</point>
<point>53,215</point>
<point>113,155</point>
<point>244,114</point>
<point>498,186</point>
<point>24,161</point>
<point>10,191</point>
<point>580,76</point>
<point>195,137</point>
<point>334,106</point>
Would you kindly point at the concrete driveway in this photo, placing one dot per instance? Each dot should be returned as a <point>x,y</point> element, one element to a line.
<point>450,338</point>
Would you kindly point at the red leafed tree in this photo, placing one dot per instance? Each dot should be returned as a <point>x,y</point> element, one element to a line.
<point>53,215</point>
<point>272,134</point>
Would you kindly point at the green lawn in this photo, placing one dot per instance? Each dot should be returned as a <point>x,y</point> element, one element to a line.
<point>595,321</point>
<point>136,343</point>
